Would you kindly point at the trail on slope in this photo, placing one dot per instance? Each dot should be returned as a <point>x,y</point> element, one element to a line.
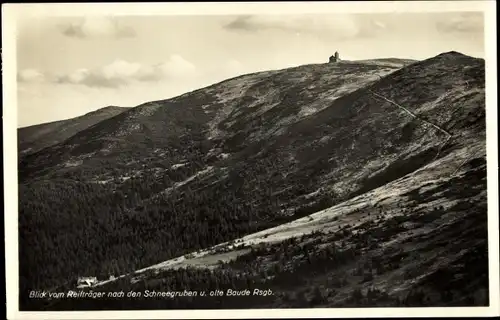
<point>412,114</point>
<point>439,128</point>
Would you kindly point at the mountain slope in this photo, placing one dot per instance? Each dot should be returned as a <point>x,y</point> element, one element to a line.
<point>417,241</point>
<point>171,177</point>
<point>34,138</point>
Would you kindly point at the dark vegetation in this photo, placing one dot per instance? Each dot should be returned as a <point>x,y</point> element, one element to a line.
<point>326,269</point>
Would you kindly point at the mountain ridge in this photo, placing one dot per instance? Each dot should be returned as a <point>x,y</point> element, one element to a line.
<point>252,153</point>
<point>36,137</point>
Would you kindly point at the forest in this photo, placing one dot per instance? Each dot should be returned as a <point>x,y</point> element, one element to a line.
<point>288,272</point>
<point>71,226</point>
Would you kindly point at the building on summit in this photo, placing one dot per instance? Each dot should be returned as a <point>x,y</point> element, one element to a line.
<point>335,57</point>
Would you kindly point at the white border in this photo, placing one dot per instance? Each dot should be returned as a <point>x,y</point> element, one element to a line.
<point>10,14</point>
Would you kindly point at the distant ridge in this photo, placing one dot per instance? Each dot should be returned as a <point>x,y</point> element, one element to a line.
<point>108,109</point>
<point>452,54</point>
<point>36,137</point>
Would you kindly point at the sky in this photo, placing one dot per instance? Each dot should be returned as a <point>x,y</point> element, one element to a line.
<point>68,66</point>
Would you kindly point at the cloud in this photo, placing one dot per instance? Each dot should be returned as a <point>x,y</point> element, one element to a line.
<point>242,23</point>
<point>120,73</point>
<point>336,26</point>
<point>30,75</point>
<point>177,67</point>
<point>94,27</point>
<point>93,79</point>
<point>462,23</point>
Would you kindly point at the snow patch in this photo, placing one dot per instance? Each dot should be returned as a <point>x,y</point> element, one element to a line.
<point>312,194</point>
<point>194,176</point>
<point>86,155</point>
<point>74,163</point>
<point>325,139</point>
<point>186,181</point>
<point>307,111</point>
<point>102,181</point>
<point>26,150</point>
<point>178,165</point>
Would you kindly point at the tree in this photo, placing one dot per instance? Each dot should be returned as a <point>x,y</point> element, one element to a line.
<point>317,297</point>
<point>357,295</point>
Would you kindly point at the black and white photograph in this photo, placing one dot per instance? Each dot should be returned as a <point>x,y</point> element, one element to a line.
<point>251,157</point>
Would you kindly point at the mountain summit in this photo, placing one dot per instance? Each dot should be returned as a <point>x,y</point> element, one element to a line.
<point>341,158</point>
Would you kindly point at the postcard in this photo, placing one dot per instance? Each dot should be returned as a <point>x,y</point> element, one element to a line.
<point>247,160</point>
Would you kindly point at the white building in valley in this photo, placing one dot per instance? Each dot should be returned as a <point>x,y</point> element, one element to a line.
<point>85,282</point>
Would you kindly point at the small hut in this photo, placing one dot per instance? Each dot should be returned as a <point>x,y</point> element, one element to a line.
<point>84,282</point>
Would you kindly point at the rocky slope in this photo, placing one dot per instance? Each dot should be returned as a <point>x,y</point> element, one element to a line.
<point>393,154</point>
